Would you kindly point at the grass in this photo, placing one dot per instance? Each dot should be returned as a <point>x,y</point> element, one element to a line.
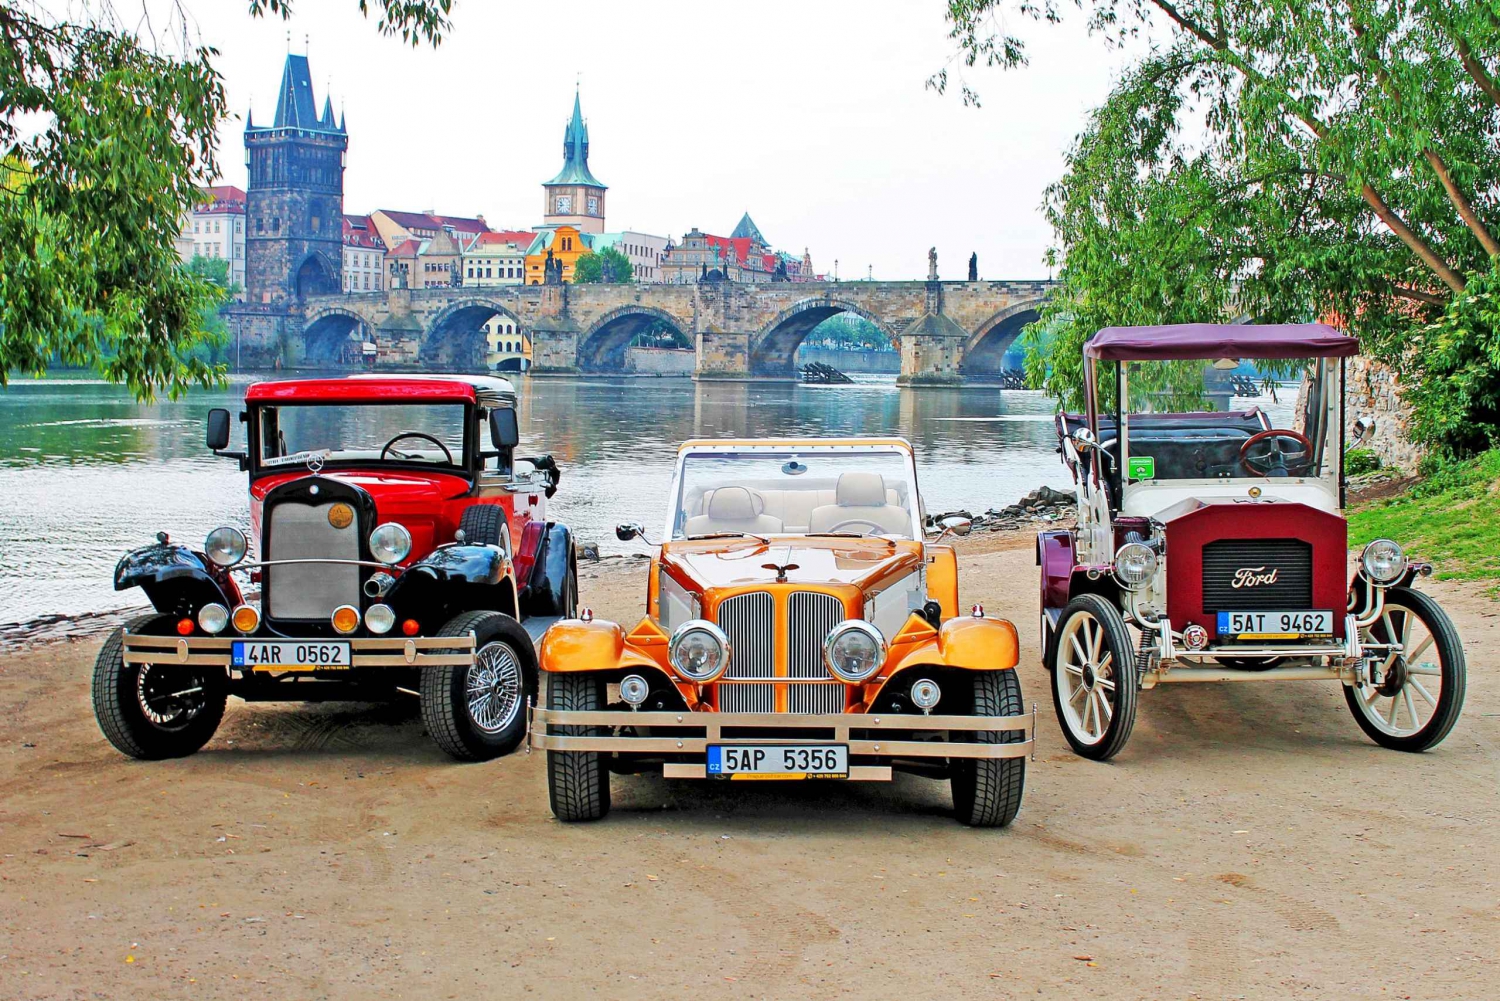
<point>1451,518</point>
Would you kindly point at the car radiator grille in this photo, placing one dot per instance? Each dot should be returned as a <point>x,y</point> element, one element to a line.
<point>1224,560</point>
<point>749,620</point>
<point>309,590</point>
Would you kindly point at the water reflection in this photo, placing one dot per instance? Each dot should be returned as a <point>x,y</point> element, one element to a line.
<point>86,473</point>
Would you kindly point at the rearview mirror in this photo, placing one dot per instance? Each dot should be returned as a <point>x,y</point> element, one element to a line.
<point>218,429</point>
<point>1083,439</point>
<point>1363,429</point>
<point>629,530</point>
<point>505,432</point>
<point>956,525</point>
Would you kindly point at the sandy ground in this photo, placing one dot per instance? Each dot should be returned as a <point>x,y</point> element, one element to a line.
<point>1249,843</point>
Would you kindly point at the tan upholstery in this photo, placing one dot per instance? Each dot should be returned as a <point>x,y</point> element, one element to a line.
<point>861,497</point>
<point>733,509</point>
<point>793,508</point>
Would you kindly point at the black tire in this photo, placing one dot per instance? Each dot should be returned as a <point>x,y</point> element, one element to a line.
<point>482,730</point>
<point>577,781</point>
<point>1115,668</point>
<point>485,525</point>
<point>122,692</point>
<point>1453,673</point>
<point>987,791</point>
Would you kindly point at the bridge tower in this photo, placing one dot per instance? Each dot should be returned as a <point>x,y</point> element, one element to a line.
<point>294,213</point>
<point>575,197</point>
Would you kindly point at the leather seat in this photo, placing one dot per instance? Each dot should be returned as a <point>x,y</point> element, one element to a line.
<point>733,509</point>
<point>861,497</point>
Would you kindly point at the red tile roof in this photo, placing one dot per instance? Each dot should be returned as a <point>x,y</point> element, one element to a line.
<point>406,248</point>
<point>359,233</point>
<point>520,237</point>
<point>223,199</point>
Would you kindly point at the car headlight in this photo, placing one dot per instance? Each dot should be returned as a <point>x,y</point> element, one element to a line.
<point>225,546</point>
<point>380,618</point>
<point>1384,561</point>
<point>700,651</point>
<point>1135,564</point>
<point>854,651</point>
<point>390,543</point>
<point>212,618</point>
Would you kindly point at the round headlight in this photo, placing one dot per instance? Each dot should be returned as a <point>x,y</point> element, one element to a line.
<point>246,619</point>
<point>854,651</point>
<point>1135,564</point>
<point>390,543</point>
<point>1383,560</point>
<point>925,694</point>
<point>213,617</point>
<point>225,546</point>
<point>380,618</point>
<point>700,651</point>
<point>345,619</point>
<point>634,690</point>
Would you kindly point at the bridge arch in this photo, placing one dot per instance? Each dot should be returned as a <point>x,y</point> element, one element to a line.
<point>986,347</point>
<point>456,339</point>
<point>334,336</point>
<point>773,349</point>
<point>602,346</point>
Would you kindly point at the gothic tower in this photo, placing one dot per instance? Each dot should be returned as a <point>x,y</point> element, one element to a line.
<point>575,197</point>
<point>294,212</point>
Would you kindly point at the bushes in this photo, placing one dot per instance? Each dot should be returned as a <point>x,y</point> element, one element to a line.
<point>1358,461</point>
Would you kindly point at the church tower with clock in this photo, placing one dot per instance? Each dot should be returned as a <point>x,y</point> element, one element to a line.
<point>575,197</point>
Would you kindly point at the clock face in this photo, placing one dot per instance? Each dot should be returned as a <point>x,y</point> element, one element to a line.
<point>565,203</point>
<point>593,206</point>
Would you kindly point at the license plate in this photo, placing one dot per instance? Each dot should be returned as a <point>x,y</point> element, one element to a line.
<point>1275,625</point>
<point>778,761</point>
<point>291,655</point>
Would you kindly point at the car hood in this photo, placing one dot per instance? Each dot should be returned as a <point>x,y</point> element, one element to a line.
<point>738,563</point>
<point>409,498</point>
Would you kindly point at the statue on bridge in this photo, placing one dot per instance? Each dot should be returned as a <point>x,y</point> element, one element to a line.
<point>552,269</point>
<point>974,267</point>
<point>932,264</point>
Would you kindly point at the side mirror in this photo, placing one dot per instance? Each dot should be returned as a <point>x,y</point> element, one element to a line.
<point>956,525</point>
<point>218,429</point>
<point>629,530</point>
<point>1083,439</point>
<point>1364,428</point>
<point>505,432</point>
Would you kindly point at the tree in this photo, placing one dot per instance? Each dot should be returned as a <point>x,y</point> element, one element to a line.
<point>606,267</point>
<point>106,134</point>
<point>1287,161</point>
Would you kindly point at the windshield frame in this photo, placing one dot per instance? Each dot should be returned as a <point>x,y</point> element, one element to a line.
<point>888,446</point>
<point>466,459</point>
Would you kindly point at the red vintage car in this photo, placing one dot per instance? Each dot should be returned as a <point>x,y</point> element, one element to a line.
<point>399,546</point>
<point>1211,542</point>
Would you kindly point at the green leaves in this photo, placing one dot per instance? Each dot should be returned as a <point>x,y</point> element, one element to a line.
<point>608,266</point>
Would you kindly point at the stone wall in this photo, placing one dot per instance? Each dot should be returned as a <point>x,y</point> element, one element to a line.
<point>853,362</point>
<point>660,361</point>
<point>1373,390</point>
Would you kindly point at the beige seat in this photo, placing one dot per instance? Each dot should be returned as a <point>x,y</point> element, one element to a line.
<point>733,509</point>
<point>861,498</point>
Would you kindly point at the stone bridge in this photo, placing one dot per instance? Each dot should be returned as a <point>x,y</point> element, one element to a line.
<point>945,331</point>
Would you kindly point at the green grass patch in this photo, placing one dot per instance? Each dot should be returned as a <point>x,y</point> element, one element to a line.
<point>1451,518</point>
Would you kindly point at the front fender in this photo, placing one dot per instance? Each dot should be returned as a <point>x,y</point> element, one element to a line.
<point>177,580</point>
<point>965,643</point>
<point>574,646</point>
<point>546,591</point>
<point>455,578</point>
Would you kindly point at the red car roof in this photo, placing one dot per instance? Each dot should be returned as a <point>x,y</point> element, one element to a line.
<point>380,389</point>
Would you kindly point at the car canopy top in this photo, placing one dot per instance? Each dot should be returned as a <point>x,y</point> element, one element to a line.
<point>1220,340</point>
<point>486,391</point>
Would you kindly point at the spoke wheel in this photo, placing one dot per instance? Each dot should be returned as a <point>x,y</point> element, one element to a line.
<point>1093,677</point>
<point>156,711</point>
<point>1423,674</point>
<point>495,687</point>
<point>171,697</point>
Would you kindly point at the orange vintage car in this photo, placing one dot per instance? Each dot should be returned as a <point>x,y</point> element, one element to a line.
<point>798,625</point>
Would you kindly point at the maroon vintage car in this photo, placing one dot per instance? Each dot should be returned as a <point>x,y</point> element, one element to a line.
<point>1211,543</point>
<point>399,547</point>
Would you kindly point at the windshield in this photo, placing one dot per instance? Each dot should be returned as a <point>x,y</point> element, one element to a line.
<point>795,493</point>
<point>1226,419</point>
<point>364,433</point>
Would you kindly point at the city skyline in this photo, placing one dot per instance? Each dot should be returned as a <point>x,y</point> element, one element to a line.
<point>462,153</point>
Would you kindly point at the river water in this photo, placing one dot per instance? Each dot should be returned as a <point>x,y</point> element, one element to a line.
<point>86,473</point>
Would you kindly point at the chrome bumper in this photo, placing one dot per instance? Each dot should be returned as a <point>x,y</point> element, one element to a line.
<point>836,728</point>
<point>368,651</point>
<point>1329,661</point>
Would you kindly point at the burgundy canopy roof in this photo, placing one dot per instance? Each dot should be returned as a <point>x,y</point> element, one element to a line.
<point>1220,340</point>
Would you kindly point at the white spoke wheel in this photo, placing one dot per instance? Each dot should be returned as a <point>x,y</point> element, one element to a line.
<point>478,711</point>
<point>1092,661</point>
<point>1423,674</point>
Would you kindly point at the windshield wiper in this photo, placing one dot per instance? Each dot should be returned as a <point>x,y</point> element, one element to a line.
<point>729,535</point>
<point>848,535</point>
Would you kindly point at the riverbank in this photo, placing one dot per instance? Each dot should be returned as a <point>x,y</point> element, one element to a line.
<point>1248,842</point>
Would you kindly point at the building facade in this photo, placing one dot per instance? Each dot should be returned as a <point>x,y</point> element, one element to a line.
<point>216,229</point>
<point>294,207</point>
<point>507,349</point>
<point>364,256</point>
<point>396,227</point>
<point>575,197</point>
<point>743,256</point>
<point>565,244</point>
<point>497,259</point>
<point>644,251</point>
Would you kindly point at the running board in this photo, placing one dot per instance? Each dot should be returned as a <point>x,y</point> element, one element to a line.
<point>537,624</point>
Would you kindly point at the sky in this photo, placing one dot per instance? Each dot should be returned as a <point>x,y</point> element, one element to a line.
<point>812,116</point>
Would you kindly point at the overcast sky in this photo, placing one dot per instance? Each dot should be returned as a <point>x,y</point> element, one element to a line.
<point>812,116</point>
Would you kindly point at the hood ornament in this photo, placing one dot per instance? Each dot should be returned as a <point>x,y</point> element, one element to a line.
<point>315,462</point>
<point>781,569</point>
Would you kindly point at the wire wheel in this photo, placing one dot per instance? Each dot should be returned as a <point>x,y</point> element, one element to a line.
<point>1093,677</point>
<point>170,697</point>
<point>494,687</point>
<point>1422,674</point>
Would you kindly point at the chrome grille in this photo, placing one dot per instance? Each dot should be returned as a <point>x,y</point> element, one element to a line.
<point>810,617</point>
<point>310,590</point>
<point>749,620</point>
<point>1291,559</point>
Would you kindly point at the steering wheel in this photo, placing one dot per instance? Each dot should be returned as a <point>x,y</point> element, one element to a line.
<point>856,521</point>
<point>415,434</point>
<point>1275,460</point>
